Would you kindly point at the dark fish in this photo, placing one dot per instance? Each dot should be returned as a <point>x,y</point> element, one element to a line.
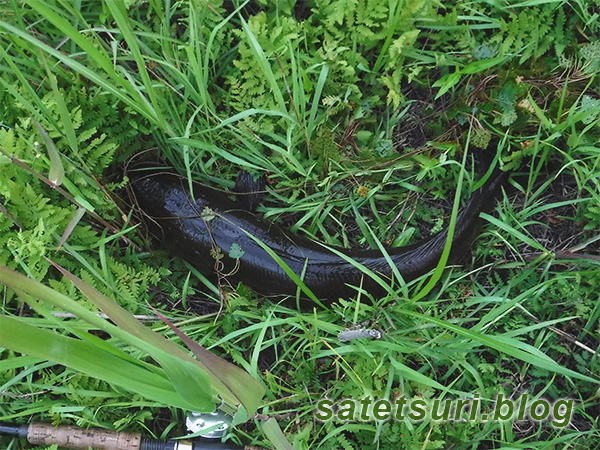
<point>213,224</point>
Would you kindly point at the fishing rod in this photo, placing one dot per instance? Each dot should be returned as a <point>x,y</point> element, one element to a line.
<point>76,438</point>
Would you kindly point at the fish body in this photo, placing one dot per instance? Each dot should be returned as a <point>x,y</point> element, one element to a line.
<point>209,227</point>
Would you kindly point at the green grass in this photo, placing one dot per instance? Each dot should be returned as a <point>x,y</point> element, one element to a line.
<point>331,102</point>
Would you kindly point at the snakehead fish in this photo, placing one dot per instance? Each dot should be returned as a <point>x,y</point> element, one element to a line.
<point>208,224</point>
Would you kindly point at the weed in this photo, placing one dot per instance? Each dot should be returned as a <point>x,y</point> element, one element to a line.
<point>316,95</point>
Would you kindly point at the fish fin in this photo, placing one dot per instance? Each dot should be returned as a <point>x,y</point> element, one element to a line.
<point>249,191</point>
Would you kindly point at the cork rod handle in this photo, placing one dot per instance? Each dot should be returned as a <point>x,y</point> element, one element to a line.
<point>70,437</point>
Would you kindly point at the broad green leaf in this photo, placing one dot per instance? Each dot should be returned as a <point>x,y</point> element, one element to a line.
<point>236,251</point>
<point>276,436</point>
<point>172,358</point>
<point>185,373</point>
<point>18,362</point>
<point>248,390</point>
<point>85,357</point>
<point>229,381</point>
<point>447,82</point>
<point>483,64</point>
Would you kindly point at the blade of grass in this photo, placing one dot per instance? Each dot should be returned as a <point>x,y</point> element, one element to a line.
<point>65,115</point>
<point>506,345</point>
<point>263,63</point>
<point>77,215</point>
<point>100,58</point>
<point>273,432</point>
<point>117,10</point>
<point>56,175</point>
<point>290,273</point>
<point>446,252</point>
<point>127,97</point>
<point>19,362</point>
<point>516,233</point>
<point>209,47</point>
<point>38,110</point>
<point>314,107</point>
